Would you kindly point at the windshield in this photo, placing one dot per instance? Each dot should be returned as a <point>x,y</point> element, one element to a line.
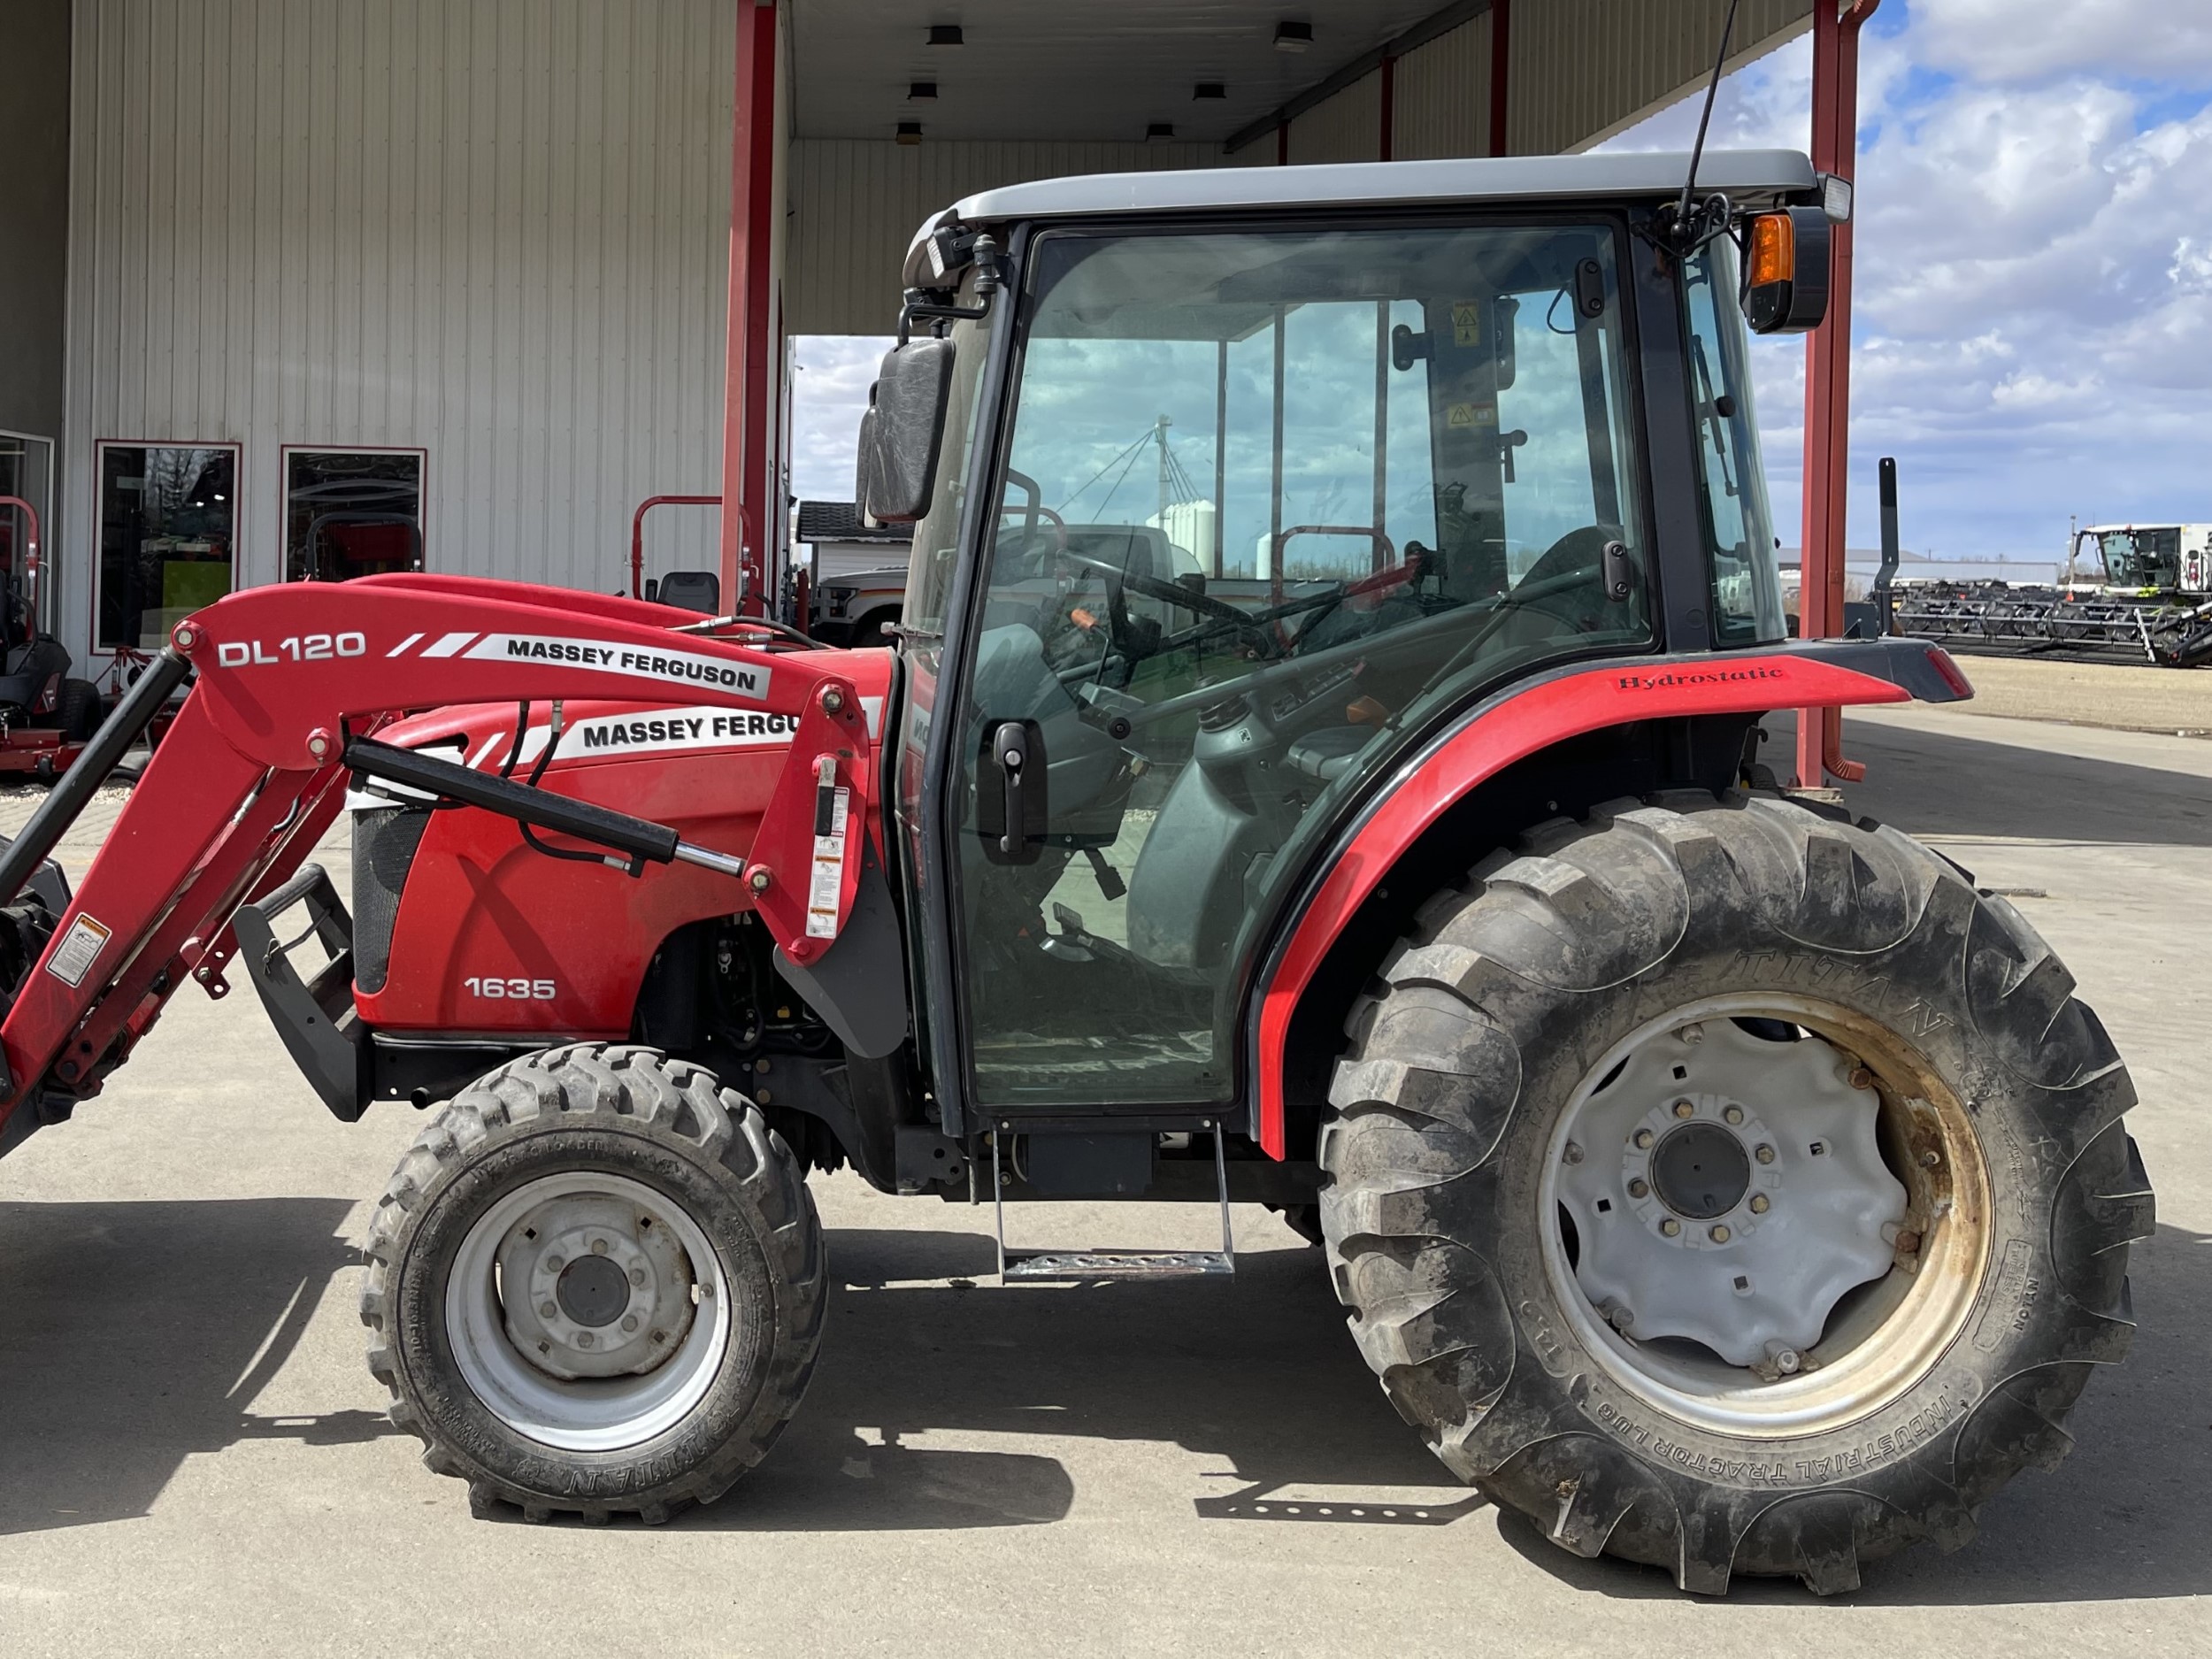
<point>1270,501</point>
<point>2143,558</point>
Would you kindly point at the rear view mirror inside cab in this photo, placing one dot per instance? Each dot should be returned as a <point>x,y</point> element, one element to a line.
<point>1787,270</point>
<point>903,428</point>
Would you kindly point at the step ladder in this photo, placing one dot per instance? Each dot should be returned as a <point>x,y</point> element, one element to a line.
<point>1092,1266</point>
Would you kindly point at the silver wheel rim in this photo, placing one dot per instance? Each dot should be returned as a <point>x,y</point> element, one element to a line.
<point>1797,1284</point>
<point>588,1312</point>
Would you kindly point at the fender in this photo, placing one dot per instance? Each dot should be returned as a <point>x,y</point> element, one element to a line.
<point>1533,714</point>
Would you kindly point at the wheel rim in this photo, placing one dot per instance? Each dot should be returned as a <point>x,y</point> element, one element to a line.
<point>1764,1237</point>
<point>587,1312</point>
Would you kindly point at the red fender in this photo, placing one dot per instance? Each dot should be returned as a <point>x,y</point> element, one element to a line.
<point>1535,717</point>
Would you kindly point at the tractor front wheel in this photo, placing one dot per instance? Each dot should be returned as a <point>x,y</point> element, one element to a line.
<point>1732,1188</point>
<point>596,1286</point>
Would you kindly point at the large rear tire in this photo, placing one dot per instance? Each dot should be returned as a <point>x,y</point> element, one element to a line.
<point>1732,1188</point>
<point>596,1285</point>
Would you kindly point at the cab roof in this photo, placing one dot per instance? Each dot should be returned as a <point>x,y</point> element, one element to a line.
<point>1749,177</point>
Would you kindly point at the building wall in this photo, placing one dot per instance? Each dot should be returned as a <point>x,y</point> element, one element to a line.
<point>1579,71</point>
<point>496,230</point>
<point>856,203</point>
<point>33,224</point>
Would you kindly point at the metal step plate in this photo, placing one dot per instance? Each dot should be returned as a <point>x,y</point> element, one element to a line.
<point>1104,1265</point>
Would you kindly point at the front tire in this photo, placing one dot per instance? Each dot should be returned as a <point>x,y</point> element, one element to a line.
<point>1732,1188</point>
<point>597,1283</point>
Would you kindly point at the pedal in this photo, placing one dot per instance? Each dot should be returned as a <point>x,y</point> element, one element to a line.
<point>1099,1265</point>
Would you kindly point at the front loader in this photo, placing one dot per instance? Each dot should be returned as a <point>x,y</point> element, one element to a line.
<point>1361,814</point>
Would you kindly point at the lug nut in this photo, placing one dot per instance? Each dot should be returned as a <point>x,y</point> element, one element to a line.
<point>1719,1233</point>
<point>1859,1077</point>
<point>1930,1159</point>
<point>1691,1034</point>
<point>637,1277</point>
<point>547,1310</point>
<point>598,1246</point>
<point>629,1322</point>
<point>1685,1109</point>
<point>1908,1242</point>
<point>1573,1153</point>
<point>1619,1317</point>
<point>1671,1226</point>
<point>1733,1114</point>
<point>1643,1139</point>
<point>552,1263</point>
<point>1764,1154</point>
<point>1760,1203</point>
<point>1786,1360</point>
<point>583,1339</point>
<point>1640,1190</point>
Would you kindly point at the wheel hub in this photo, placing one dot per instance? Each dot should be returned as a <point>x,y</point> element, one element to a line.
<point>1726,1188</point>
<point>594,1286</point>
<point>1701,1170</point>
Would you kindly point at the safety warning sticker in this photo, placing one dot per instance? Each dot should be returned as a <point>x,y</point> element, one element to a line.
<point>829,872</point>
<point>1466,323</point>
<point>80,947</point>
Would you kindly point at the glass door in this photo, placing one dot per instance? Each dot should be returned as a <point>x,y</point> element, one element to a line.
<point>26,473</point>
<point>1270,503</point>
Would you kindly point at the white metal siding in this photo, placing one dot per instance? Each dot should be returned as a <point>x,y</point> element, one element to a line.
<point>1582,70</point>
<point>496,230</point>
<point>855,203</point>
<point>1344,127</point>
<point>1579,71</point>
<point>1440,99</point>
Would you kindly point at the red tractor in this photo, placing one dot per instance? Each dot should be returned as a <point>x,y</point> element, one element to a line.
<point>1359,812</point>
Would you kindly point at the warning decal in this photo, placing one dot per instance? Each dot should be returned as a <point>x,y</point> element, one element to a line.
<point>80,948</point>
<point>829,872</point>
<point>1466,322</point>
<point>1469,415</point>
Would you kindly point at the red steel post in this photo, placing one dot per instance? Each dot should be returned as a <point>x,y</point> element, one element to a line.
<point>747,368</point>
<point>1500,77</point>
<point>1822,525</point>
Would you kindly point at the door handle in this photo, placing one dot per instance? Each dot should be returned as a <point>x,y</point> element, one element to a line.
<point>1009,746</point>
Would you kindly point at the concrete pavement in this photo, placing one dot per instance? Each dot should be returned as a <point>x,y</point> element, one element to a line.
<point>192,1458</point>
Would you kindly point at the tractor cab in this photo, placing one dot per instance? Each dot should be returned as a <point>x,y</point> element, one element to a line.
<point>1230,491</point>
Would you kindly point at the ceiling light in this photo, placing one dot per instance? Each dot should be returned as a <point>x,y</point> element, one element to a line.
<point>921,89</point>
<point>1210,89</point>
<point>1292,37</point>
<point>1159,133</point>
<point>909,133</point>
<point>946,35</point>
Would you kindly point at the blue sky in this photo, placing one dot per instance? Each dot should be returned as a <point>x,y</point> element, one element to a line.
<point>2033,313</point>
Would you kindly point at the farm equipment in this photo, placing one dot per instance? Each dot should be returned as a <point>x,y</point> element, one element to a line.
<point>2135,591</point>
<point>1717,1180</point>
<point>46,713</point>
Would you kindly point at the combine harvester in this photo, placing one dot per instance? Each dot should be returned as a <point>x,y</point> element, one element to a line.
<point>2140,591</point>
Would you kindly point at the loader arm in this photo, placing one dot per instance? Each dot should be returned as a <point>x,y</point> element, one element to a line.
<point>253,771</point>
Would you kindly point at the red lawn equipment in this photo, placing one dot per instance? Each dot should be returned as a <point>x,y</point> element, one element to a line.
<point>1377,833</point>
<point>46,713</point>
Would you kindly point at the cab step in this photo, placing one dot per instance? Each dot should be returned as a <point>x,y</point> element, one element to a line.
<point>1094,1266</point>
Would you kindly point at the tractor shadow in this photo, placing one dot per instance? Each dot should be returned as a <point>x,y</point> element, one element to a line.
<point>1258,1373</point>
<point>135,1335</point>
<point>2125,1517</point>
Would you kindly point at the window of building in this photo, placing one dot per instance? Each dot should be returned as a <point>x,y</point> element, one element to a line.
<point>351,512</point>
<point>168,516</point>
<point>26,473</point>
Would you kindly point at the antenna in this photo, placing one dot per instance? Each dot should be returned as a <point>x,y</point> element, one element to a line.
<point>1690,234</point>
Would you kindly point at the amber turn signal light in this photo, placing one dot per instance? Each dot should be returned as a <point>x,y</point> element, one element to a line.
<point>1773,250</point>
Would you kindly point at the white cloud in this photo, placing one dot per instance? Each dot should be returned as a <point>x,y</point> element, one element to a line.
<point>2169,41</point>
<point>829,390</point>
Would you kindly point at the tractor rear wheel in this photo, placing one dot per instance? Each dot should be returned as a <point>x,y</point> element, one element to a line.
<point>596,1285</point>
<point>1729,1187</point>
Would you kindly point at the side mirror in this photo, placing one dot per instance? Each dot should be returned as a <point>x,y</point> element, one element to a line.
<point>905,429</point>
<point>1787,271</point>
